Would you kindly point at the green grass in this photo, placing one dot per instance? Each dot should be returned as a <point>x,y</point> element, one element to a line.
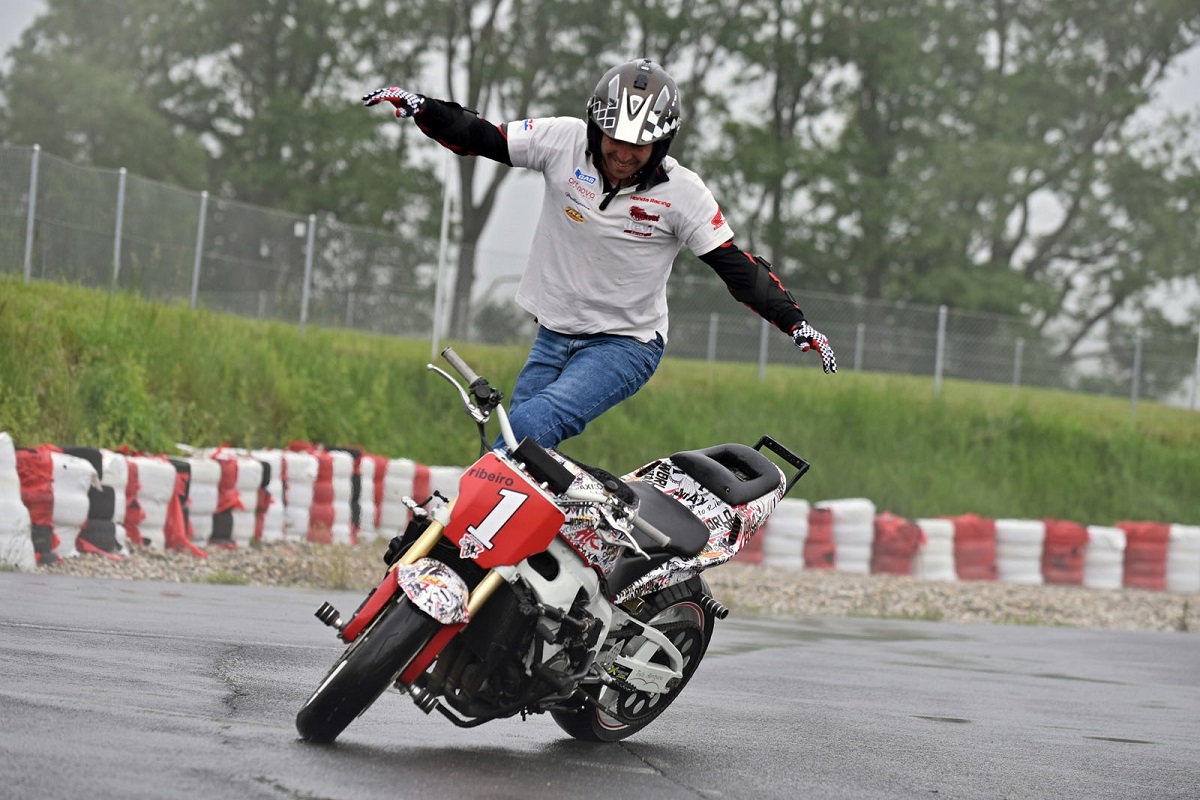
<point>79,367</point>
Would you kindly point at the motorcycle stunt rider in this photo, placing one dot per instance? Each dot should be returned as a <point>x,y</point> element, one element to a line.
<point>616,211</point>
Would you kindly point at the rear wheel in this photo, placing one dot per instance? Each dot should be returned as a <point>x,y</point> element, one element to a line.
<point>367,667</point>
<point>678,614</point>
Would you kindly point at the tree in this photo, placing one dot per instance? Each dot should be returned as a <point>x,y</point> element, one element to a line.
<point>982,155</point>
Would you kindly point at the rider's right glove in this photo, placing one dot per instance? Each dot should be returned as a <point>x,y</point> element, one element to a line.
<point>407,104</point>
<point>807,338</point>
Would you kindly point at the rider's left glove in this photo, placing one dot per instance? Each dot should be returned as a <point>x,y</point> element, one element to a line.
<point>407,103</point>
<point>807,338</point>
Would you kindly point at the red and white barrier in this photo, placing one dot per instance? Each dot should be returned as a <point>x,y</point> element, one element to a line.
<point>47,496</point>
<point>16,539</point>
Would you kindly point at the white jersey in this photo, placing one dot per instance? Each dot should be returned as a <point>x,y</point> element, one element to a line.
<point>593,271</point>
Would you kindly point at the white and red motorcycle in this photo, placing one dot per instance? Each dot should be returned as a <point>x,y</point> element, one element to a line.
<point>550,585</point>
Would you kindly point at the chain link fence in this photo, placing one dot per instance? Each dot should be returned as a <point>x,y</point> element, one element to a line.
<point>108,229</point>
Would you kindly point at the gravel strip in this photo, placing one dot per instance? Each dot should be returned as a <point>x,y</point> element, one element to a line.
<point>745,587</point>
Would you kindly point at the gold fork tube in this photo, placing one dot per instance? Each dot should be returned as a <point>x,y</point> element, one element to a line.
<point>486,588</point>
<point>424,543</point>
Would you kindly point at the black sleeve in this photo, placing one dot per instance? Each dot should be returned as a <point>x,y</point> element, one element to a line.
<point>462,131</point>
<point>751,281</point>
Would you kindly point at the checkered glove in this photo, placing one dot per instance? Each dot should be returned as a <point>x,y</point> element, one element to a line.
<point>407,104</point>
<point>807,338</point>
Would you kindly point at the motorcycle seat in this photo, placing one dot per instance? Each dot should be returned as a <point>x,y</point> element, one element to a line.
<point>688,536</point>
<point>736,473</point>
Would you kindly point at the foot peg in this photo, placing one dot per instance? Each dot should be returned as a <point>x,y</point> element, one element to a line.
<point>330,616</point>
<point>710,604</point>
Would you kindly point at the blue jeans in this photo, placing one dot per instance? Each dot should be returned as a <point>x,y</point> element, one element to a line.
<point>568,381</point>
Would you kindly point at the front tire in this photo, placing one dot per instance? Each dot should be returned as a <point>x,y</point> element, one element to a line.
<point>367,667</point>
<point>678,613</point>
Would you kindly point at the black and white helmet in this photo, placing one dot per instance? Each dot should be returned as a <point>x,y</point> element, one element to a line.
<point>636,102</point>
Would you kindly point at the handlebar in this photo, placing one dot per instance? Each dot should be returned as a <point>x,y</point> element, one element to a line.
<point>460,366</point>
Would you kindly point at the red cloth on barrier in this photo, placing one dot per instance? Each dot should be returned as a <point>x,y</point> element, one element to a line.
<point>175,531</point>
<point>1146,554</point>
<point>35,470</point>
<point>1063,552</point>
<point>974,547</point>
<point>228,497</point>
<point>819,549</point>
<point>897,541</point>
<point>134,514</point>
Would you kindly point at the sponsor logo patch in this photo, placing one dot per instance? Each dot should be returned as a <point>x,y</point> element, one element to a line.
<point>654,200</point>
<point>573,214</point>
<point>718,219</point>
<point>641,215</point>
<point>527,124</point>
<point>583,176</point>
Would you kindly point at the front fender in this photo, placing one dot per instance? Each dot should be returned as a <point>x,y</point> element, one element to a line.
<point>435,589</point>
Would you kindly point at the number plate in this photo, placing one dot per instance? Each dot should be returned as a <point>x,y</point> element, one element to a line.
<point>501,516</point>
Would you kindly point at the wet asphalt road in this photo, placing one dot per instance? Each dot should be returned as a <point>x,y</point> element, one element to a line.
<point>114,689</point>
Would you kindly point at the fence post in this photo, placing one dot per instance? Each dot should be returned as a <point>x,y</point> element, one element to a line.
<point>763,331</point>
<point>940,357</point>
<point>1017,362</point>
<point>308,268</point>
<point>1196,374</point>
<point>1137,374</point>
<point>33,185</point>
<point>199,247</point>
<point>120,223</point>
<point>714,321</point>
<point>860,337</point>
<point>439,289</point>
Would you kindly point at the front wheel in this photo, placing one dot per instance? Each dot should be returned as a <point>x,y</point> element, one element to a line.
<point>367,667</point>
<point>677,612</point>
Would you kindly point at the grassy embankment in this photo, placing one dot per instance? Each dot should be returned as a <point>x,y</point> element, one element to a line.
<point>87,368</point>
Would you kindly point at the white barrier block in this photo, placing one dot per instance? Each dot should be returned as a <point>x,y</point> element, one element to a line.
<point>203,494</point>
<point>785,533</point>
<point>1104,559</point>
<point>935,557</point>
<point>247,482</point>
<point>1019,544</point>
<point>1183,559</point>
<point>853,529</point>
<point>367,531</point>
<point>115,469</point>
<point>16,540</point>
<point>73,478</point>
<point>298,497</point>
<point>397,484</point>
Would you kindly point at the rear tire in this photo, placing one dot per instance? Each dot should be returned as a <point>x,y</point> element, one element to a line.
<point>677,612</point>
<point>367,667</point>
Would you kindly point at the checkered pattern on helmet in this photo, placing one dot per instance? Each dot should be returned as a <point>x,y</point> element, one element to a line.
<point>604,114</point>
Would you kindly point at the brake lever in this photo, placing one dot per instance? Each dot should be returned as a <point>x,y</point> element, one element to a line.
<point>473,410</point>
